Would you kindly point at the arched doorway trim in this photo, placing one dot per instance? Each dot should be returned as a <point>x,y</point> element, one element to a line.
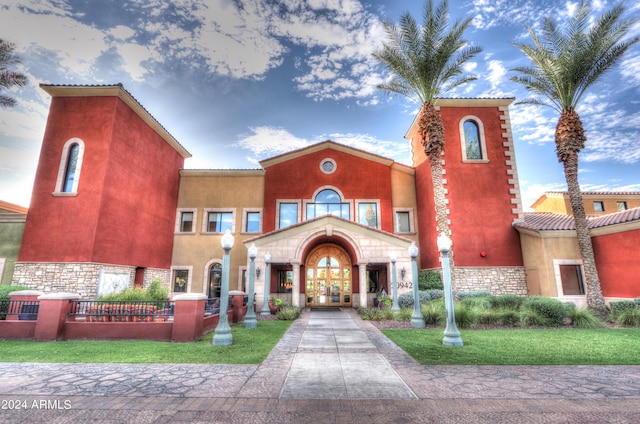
<point>327,234</point>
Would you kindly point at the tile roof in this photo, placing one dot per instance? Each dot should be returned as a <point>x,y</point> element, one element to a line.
<point>547,221</point>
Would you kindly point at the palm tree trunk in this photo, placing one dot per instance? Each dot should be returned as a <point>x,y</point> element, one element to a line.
<point>569,141</point>
<point>431,130</point>
<point>595,299</point>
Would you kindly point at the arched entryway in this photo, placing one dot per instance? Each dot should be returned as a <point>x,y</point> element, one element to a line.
<point>328,279</point>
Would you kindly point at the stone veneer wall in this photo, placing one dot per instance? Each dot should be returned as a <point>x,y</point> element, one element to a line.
<point>75,277</point>
<point>497,280</point>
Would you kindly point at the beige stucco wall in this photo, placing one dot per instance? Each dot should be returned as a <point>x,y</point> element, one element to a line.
<point>403,196</point>
<point>539,250</point>
<point>228,189</point>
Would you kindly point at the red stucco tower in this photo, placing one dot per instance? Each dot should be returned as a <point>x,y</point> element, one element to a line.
<point>105,194</point>
<point>482,194</point>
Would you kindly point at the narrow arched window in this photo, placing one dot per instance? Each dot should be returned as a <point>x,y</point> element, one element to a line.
<point>70,167</point>
<point>70,173</point>
<point>472,141</point>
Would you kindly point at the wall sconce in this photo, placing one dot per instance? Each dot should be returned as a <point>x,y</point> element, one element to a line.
<point>258,271</point>
<point>403,272</point>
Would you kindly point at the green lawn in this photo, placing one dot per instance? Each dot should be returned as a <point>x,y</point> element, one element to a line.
<point>523,346</point>
<point>250,346</point>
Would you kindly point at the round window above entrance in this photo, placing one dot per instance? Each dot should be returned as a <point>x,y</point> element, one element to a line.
<point>328,166</point>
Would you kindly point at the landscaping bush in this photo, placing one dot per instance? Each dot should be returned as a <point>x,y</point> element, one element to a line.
<point>435,293</point>
<point>155,292</point>
<point>404,314</point>
<point>405,300</point>
<point>288,313</point>
<point>502,316</point>
<point>480,303</point>
<point>582,317</point>
<point>531,318</point>
<point>433,313</point>
<point>509,301</point>
<point>618,307</point>
<point>549,312</point>
<point>429,280</point>
<point>475,293</point>
<point>371,314</point>
<point>4,295</point>
<point>465,316</point>
<point>629,318</point>
<point>5,290</point>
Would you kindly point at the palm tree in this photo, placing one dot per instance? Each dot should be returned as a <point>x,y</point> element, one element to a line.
<point>9,78</point>
<point>564,64</point>
<point>425,63</point>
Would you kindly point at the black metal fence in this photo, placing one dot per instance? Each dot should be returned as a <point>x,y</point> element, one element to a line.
<point>122,311</point>
<point>23,309</point>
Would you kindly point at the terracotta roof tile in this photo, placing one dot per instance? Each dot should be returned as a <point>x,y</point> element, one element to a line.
<point>547,221</point>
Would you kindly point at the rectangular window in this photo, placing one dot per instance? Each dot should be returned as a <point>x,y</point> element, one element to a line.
<point>368,214</point>
<point>288,214</point>
<point>571,278</point>
<point>186,222</point>
<point>622,206</point>
<point>180,280</point>
<point>253,222</point>
<point>598,206</point>
<point>403,224</point>
<point>219,222</point>
<point>285,281</point>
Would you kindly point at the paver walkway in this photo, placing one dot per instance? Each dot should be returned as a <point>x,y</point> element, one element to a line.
<point>326,369</point>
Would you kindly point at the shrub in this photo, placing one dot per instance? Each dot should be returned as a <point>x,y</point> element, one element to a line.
<point>433,313</point>
<point>288,313</point>
<point>4,295</point>
<point>480,303</point>
<point>429,280</point>
<point>128,294</point>
<point>475,293</point>
<point>435,293</point>
<point>568,307</point>
<point>5,290</point>
<point>583,318</point>
<point>404,314</point>
<point>405,300</point>
<point>509,301</point>
<point>531,318</point>
<point>551,312</point>
<point>619,307</point>
<point>629,318</point>
<point>465,316</point>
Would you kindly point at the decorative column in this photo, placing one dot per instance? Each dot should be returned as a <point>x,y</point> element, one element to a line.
<point>250,318</point>
<point>267,281</point>
<point>417,320</point>
<point>295,292</point>
<point>362,273</point>
<point>222,335</point>
<point>451,333</point>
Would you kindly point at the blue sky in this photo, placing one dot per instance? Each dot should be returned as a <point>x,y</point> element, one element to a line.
<point>237,81</point>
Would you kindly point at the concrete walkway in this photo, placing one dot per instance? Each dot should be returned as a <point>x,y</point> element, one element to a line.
<point>330,367</point>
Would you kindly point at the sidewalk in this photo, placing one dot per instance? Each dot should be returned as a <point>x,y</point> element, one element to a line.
<point>330,367</point>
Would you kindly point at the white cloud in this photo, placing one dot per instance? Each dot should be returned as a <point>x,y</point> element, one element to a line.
<point>267,141</point>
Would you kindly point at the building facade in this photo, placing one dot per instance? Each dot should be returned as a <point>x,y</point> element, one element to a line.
<point>595,203</point>
<point>113,207</point>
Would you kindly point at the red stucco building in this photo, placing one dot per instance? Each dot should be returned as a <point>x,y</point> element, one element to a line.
<point>112,206</point>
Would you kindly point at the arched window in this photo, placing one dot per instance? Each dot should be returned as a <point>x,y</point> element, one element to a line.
<point>70,167</point>
<point>72,164</point>
<point>215,281</point>
<point>328,202</point>
<point>472,140</point>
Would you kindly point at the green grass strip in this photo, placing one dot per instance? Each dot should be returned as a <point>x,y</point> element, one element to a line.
<point>250,346</point>
<point>523,347</point>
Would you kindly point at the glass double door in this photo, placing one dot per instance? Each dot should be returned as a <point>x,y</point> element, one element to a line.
<point>328,276</point>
